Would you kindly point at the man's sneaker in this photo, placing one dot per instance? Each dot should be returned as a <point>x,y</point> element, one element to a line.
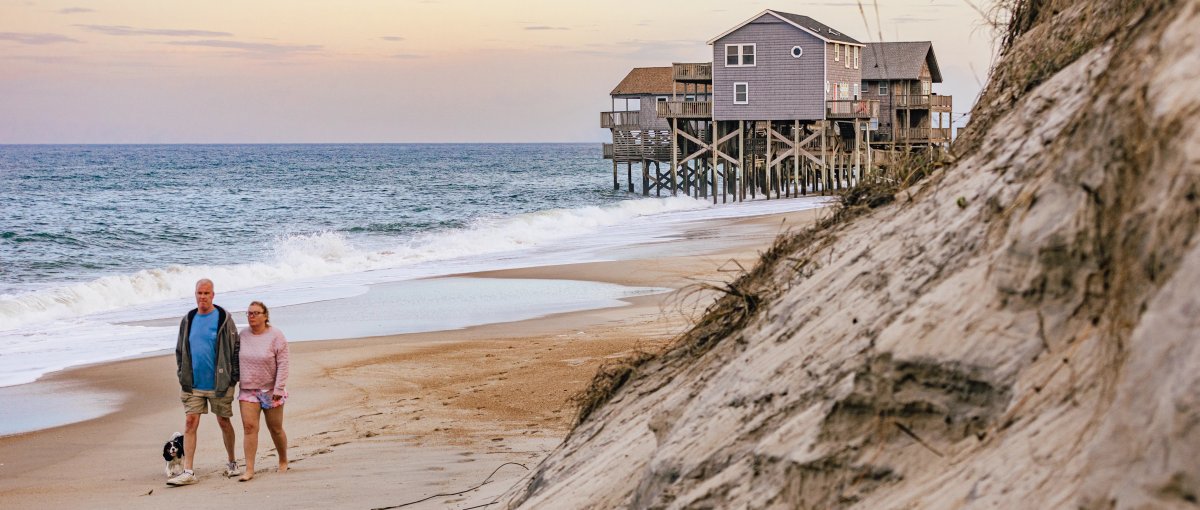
<point>232,470</point>
<point>184,478</point>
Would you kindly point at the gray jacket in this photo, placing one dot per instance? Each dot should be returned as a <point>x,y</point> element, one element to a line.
<point>228,344</point>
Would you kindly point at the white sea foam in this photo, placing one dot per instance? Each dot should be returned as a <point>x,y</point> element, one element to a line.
<point>304,256</point>
<point>105,319</point>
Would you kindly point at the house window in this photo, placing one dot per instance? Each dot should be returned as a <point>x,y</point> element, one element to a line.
<point>690,98</point>
<point>844,91</point>
<point>856,54</point>
<point>847,56</point>
<point>925,87</point>
<point>739,55</point>
<point>661,99</point>
<point>837,52</point>
<point>827,90</point>
<point>883,88</point>
<point>797,52</point>
<point>741,93</point>
<point>856,91</point>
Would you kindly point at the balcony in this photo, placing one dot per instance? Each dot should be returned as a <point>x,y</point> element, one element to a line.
<point>922,135</point>
<point>684,109</point>
<point>607,149</point>
<point>620,120</point>
<point>700,72</point>
<point>924,102</point>
<point>852,109</point>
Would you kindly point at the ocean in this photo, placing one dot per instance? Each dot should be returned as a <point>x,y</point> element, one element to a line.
<point>101,245</point>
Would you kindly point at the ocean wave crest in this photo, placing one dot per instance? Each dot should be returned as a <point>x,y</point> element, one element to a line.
<point>300,256</point>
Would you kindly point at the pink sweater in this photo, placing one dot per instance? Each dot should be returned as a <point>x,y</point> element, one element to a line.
<point>264,360</point>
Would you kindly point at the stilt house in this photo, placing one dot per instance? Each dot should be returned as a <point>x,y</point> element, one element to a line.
<point>901,76</point>
<point>780,110</point>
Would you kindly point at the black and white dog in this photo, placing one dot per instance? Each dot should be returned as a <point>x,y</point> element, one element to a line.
<point>173,454</point>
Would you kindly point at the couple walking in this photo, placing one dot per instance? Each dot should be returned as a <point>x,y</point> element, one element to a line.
<point>212,356</point>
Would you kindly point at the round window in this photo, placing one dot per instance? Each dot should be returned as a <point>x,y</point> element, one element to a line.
<point>797,51</point>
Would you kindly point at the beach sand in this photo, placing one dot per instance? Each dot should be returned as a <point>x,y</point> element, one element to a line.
<point>377,422</point>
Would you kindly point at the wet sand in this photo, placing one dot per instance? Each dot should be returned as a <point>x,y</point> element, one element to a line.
<point>375,422</point>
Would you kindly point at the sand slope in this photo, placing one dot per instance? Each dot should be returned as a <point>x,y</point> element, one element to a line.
<point>1018,331</point>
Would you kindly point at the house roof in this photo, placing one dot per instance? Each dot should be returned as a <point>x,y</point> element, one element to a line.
<point>645,80</point>
<point>804,23</point>
<point>899,61</point>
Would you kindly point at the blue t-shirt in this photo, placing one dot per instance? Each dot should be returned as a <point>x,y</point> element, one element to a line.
<point>203,341</point>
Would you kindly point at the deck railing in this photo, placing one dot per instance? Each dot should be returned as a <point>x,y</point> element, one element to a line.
<point>607,149</point>
<point>922,135</point>
<point>852,109</point>
<point>684,109</point>
<point>619,120</point>
<point>692,72</point>
<point>924,101</point>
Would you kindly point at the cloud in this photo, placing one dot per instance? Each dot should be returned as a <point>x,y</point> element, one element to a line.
<point>252,47</point>
<point>35,38</point>
<point>638,50</point>
<point>545,27</point>
<point>41,59</point>
<point>122,30</point>
<point>408,56</point>
<point>392,38</point>
<point>899,20</point>
<point>75,10</point>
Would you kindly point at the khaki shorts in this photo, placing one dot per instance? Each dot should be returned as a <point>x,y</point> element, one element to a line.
<point>198,402</point>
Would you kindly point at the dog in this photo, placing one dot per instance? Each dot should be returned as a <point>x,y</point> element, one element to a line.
<point>173,454</point>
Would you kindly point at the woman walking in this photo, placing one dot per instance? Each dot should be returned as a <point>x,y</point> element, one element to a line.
<point>264,373</point>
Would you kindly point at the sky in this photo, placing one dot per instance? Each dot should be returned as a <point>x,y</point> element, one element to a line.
<point>381,71</point>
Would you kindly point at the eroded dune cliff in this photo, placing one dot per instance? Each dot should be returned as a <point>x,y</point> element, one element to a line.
<point>1020,330</point>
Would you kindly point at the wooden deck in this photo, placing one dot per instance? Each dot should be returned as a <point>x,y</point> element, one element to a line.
<point>620,120</point>
<point>924,102</point>
<point>922,135</point>
<point>699,72</point>
<point>852,109</point>
<point>684,109</point>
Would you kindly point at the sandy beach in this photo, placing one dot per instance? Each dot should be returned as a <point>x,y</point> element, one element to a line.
<point>383,421</point>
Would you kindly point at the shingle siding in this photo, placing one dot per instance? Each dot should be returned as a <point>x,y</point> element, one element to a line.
<point>649,117</point>
<point>780,87</point>
<point>838,73</point>
<point>885,102</point>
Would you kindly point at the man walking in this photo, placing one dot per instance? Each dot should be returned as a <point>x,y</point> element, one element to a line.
<point>207,359</point>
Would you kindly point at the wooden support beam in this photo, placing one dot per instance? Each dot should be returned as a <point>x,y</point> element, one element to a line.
<point>741,169</point>
<point>629,174</point>
<point>824,125</point>
<point>616,184</point>
<point>646,179</point>
<point>796,160</point>
<point>712,167</point>
<point>674,153</point>
<point>767,170</point>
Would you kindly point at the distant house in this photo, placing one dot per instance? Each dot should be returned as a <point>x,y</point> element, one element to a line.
<point>639,133</point>
<point>642,89</point>
<point>783,66</point>
<point>787,106</point>
<point>901,76</point>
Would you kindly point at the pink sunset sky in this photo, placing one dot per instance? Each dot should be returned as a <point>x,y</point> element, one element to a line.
<point>275,71</point>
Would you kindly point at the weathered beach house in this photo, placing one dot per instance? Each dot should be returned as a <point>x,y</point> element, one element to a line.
<point>639,134</point>
<point>901,76</point>
<point>781,109</point>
